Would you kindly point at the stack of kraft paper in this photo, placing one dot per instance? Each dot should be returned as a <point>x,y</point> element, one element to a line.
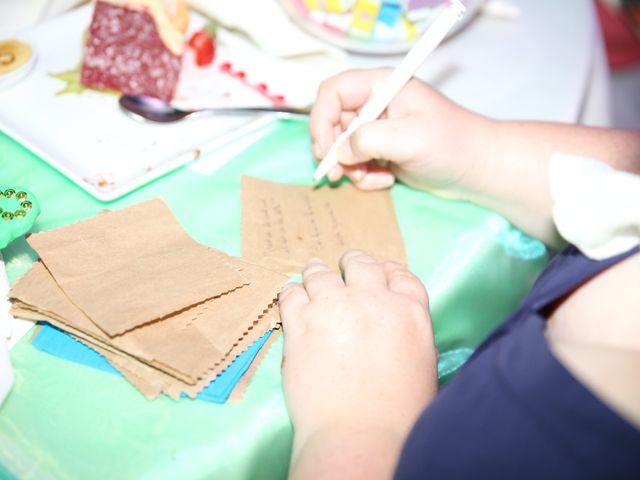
<point>168,313</point>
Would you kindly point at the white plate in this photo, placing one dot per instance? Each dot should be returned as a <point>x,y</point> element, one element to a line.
<point>391,46</point>
<point>86,136</point>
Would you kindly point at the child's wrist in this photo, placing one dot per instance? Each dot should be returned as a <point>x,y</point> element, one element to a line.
<point>480,151</point>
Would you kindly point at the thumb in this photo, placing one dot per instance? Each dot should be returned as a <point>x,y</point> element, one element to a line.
<point>393,140</point>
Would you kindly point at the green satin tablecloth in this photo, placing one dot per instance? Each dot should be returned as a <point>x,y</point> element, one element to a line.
<point>67,421</point>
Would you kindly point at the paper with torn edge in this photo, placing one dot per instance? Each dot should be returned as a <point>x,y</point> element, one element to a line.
<point>129,267</point>
<point>145,378</point>
<point>149,380</point>
<point>285,225</point>
<point>234,379</point>
<point>188,345</point>
<point>266,322</point>
<point>241,387</point>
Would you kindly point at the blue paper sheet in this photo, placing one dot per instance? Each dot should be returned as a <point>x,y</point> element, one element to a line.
<point>56,342</point>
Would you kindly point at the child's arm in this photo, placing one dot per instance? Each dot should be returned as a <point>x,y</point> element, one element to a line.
<point>515,181</point>
<point>359,366</point>
<point>433,144</point>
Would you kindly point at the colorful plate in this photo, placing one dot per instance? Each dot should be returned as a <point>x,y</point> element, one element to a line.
<point>389,34</point>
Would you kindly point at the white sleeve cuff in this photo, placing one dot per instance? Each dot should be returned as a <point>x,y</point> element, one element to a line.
<point>596,207</point>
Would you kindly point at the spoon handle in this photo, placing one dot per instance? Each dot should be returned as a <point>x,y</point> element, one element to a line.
<point>283,112</point>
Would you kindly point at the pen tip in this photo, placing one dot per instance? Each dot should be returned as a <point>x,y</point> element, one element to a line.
<point>321,170</point>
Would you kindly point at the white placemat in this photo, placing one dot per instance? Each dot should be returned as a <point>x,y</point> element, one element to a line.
<point>86,136</point>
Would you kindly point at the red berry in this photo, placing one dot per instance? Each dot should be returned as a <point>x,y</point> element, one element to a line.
<point>203,45</point>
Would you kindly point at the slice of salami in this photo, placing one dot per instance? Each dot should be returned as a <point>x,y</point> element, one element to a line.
<point>125,52</point>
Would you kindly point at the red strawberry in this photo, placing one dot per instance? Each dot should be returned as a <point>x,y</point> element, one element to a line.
<point>203,44</point>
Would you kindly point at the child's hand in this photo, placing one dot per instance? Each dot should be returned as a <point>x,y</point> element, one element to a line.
<point>423,138</point>
<point>359,354</point>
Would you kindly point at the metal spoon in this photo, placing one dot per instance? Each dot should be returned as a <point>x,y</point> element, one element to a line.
<point>143,108</point>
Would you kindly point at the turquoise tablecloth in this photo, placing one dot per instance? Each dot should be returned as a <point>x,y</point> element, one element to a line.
<point>67,421</point>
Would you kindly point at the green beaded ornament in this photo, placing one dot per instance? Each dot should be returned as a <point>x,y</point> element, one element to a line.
<point>18,210</point>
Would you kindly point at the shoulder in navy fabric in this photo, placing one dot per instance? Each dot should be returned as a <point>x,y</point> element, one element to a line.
<point>515,412</point>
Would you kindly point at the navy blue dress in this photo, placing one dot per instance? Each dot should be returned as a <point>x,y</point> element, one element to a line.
<point>514,411</point>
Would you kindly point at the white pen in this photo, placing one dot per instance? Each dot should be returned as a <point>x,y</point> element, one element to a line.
<point>389,88</point>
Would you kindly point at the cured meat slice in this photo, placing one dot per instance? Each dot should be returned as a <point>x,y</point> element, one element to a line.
<point>132,47</point>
